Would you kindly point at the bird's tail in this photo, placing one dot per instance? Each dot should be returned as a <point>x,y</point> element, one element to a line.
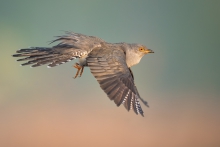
<point>37,56</point>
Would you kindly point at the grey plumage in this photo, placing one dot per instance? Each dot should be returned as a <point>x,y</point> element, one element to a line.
<point>109,63</point>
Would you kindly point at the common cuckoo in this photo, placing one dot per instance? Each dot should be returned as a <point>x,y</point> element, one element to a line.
<point>110,63</point>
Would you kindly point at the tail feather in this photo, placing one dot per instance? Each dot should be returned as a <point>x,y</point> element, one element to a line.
<point>39,61</point>
<point>61,61</point>
<point>40,56</point>
<point>43,62</point>
<point>34,49</point>
<point>35,57</point>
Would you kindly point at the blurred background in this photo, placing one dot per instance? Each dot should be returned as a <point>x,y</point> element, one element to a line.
<point>41,107</point>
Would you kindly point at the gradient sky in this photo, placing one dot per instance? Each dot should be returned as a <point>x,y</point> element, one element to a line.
<point>47,107</point>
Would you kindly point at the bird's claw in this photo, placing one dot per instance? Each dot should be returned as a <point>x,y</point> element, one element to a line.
<point>79,70</point>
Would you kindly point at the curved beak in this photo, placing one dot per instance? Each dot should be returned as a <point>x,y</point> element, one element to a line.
<point>149,51</point>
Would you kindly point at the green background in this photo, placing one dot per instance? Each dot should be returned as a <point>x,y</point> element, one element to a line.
<point>181,81</point>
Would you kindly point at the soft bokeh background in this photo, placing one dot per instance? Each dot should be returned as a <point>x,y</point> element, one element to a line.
<point>42,107</point>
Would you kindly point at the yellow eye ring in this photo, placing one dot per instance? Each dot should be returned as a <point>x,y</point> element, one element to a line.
<point>141,49</point>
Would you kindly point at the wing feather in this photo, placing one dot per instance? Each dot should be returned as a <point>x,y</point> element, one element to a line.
<point>108,65</point>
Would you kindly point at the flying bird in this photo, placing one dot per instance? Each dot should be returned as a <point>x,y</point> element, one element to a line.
<point>110,63</point>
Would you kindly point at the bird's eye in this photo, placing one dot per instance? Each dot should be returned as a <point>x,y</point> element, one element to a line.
<point>141,49</point>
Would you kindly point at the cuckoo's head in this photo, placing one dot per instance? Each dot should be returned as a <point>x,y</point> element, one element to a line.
<point>145,50</point>
<point>134,53</point>
<point>141,50</point>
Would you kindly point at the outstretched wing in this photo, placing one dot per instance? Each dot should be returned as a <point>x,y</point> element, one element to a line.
<point>111,71</point>
<point>78,40</point>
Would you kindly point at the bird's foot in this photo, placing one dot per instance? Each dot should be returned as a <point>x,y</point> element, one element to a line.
<point>79,70</point>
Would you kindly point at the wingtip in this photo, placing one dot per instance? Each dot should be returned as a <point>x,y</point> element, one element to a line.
<point>144,102</point>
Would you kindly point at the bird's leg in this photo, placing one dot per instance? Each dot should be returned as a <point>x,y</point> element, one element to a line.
<point>81,71</point>
<point>79,68</point>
